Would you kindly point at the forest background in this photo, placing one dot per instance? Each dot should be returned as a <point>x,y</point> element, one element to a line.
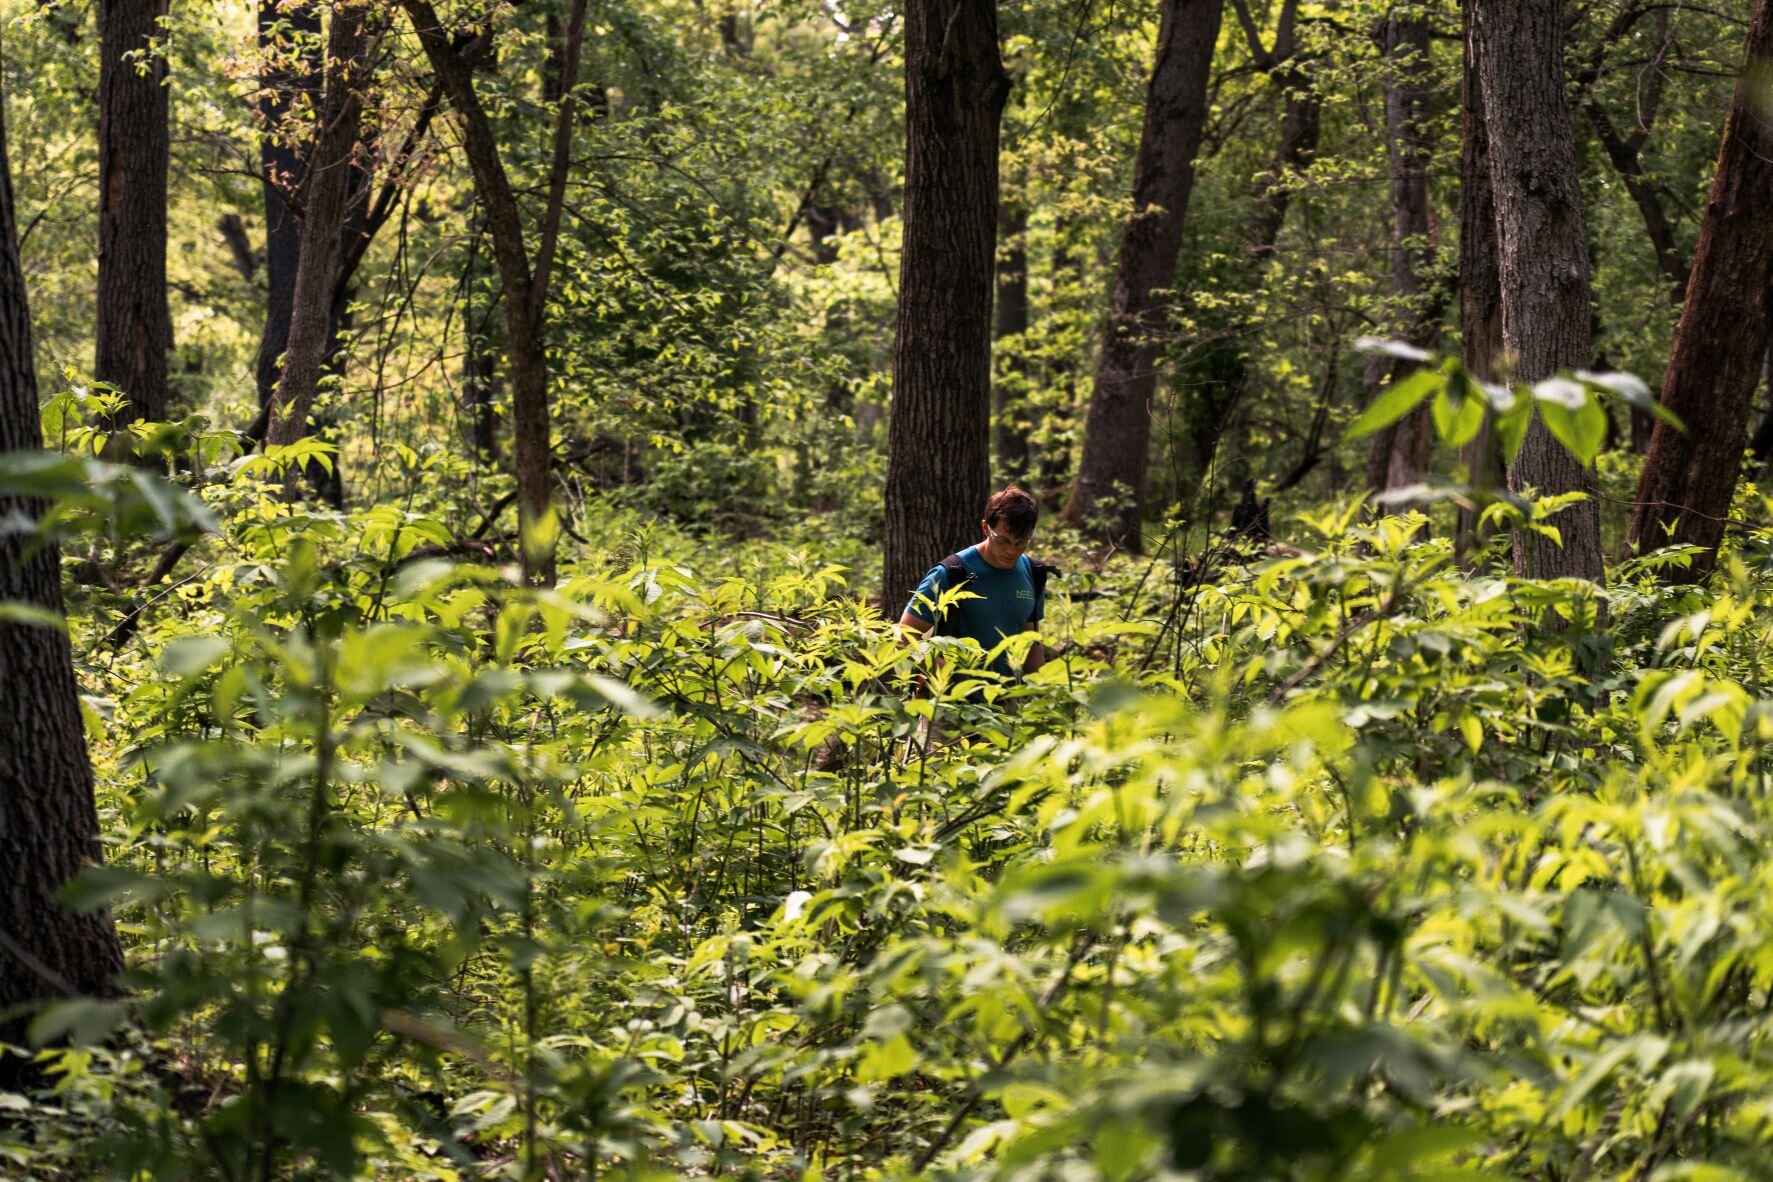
<point>450,726</point>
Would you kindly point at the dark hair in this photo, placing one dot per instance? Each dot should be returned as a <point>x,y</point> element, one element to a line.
<point>1013,508</point>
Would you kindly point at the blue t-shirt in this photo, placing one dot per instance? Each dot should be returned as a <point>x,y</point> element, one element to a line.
<point>1008,602</point>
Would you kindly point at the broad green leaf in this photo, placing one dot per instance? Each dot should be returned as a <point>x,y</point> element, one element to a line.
<point>81,1021</point>
<point>1581,430</point>
<point>1393,403</point>
<point>192,654</point>
<point>1511,427</point>
<point>14,612</point>
<point>887,1060</point>
<point>1458,410</point>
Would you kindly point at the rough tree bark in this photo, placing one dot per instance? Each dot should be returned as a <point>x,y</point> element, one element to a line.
<point>525,289</point>
<point>1480,283</point>
<point>939,438</point>
<point>134,324</point>
<point>1689,477</point>
<point>326,197</point>
<point>1011,322</point>
<point>1400,453</point>
<point>1117,431</point>
<point>1542,259</point>
<point>283,165</point>
<point>48,823</point>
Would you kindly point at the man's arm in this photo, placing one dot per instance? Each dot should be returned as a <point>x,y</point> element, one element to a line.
<point>1037,652</point>
<point>915,622</point>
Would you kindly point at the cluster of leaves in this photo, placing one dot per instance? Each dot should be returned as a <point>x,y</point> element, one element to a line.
<point>1336,864</point>
<point>1570,406</point>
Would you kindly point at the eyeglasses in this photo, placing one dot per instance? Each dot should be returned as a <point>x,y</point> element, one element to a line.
<point>1012,543</point>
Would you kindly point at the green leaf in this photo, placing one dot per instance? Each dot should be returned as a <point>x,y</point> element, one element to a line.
<point>886,1060</point>
<point>1458,409</point>
<point>1581,431</point>
<point>80,1021</point>
<point>1511,427</point>
<point>192,654</point>
<point>14,612</point>
<point>1396,401</point>
<point>102,885</point>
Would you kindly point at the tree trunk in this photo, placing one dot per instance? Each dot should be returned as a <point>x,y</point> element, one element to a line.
<point>525,292</point>
<point>134,324</point>
<point>283,166</point>
<point>1300,129</point>
<point>939,438</point>
<point>1689,477</point>
<point>326,199</point>
<point>1117,431</point>
<point>1399,454</point>
<point>1011,324</point>
<point>1623,152</point>
<point>1480,285</point>
<point>1542,260</point>
<point>48,823</point>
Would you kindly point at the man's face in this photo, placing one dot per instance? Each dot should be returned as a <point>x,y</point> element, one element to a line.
<point>1002,546</point>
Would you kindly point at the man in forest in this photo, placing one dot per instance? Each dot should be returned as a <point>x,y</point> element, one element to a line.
<point>1009,585</point>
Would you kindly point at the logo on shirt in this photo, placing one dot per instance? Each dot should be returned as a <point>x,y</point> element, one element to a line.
<point>1024,593</point>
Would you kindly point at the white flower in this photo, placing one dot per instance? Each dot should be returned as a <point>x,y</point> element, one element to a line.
<point>1391,349</point>
<point>795,905</point>
<point>1627,385</point>
<point>1500,397</point>
<point>1567,394</point>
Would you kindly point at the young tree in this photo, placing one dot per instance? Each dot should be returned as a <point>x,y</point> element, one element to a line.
<point>1117,429</point>
<point>48,823</point>
<point>1400,453</point>
<point>326,196</point>
<point>1541,253</point>
<point>134,324</point>
<point>1689,476</point>
<point>1285,64</point>
<point>938,442</point>
<point>524,286</point>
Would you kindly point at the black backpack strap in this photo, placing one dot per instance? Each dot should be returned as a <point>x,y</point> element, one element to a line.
<point>1040,572</point>
<point>959,575</point>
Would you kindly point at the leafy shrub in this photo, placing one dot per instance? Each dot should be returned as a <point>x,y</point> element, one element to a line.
<point>1337,865</point>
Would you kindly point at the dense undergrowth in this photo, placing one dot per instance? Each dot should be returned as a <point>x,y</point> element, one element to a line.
<point>1342,863</point>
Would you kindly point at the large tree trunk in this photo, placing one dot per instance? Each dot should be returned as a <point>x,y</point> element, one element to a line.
<point>326,199</point>
<point>1480,284</point>
<point>1011,324</point>
<point>283,165</point>
<point>48,823</point>
<point>1689,476</point>
<point>938,441</point>
<point>134,324</point>
<point>1543,262</point>
<point>1400,453</point>
<point>1117,432</point>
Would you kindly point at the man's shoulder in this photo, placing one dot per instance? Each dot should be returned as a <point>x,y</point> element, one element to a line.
<point>973,560</point>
